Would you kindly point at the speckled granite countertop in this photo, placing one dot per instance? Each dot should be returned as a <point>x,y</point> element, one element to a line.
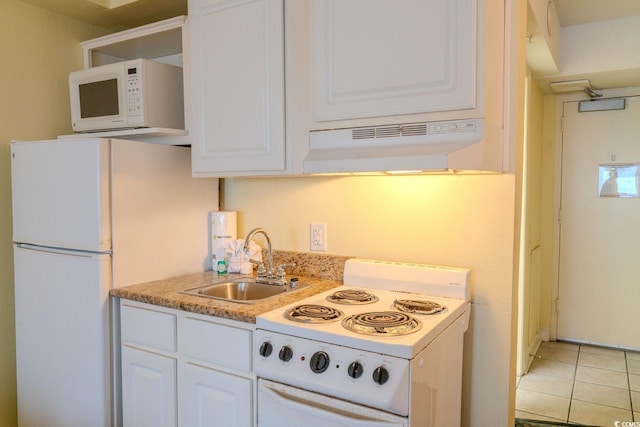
<point>320,272</point>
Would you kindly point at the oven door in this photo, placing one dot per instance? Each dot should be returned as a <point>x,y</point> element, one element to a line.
<point>285,406</point>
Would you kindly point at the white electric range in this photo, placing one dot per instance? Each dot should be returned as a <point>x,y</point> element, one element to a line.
<point>385,348</point>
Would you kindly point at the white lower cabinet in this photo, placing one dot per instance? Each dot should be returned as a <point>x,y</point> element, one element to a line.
<point>184,369</point>
<point>148,388</point>
<point>212,398</point>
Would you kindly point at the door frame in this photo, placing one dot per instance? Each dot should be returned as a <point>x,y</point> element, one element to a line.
<point>557,190</point>
<point>526,348</point>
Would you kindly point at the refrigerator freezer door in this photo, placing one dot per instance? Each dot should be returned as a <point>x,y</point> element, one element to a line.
<point>62,338</point>
<point>61,193</point>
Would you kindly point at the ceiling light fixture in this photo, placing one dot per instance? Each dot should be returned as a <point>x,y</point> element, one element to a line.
<point>575,86</point>
<point>111,4</point>
<point>570,86</point>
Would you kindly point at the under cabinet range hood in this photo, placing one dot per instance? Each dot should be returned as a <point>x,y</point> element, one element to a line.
<point>404,148</point>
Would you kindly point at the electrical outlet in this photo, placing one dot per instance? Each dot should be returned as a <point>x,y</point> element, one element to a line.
<point>318,237</point>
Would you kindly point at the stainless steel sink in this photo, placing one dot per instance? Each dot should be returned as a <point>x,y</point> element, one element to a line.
<point>245,291</point>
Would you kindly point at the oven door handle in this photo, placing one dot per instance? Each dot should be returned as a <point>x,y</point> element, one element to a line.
<point>313,409</point>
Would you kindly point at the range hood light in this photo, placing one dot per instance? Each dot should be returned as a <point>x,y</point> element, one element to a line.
<point>332,174</point>
<point>407,172</point>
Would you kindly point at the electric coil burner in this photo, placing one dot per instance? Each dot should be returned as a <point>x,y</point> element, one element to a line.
<point>384,347</point>
<point>382,323</point>
<point>418,307</point>
<point>313,313</point>
<point>352,297</point>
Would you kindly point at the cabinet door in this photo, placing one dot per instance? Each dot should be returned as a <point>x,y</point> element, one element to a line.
<point>148,389</point>
<point>380,57</point>
<point>237,86</point>
<point>215,399</point>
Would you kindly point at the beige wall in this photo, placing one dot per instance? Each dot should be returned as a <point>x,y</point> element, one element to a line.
<point>37,51</point>
<point>463,221</point>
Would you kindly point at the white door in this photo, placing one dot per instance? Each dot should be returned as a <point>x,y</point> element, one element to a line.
<point>62,338</point>
<point>598,287</point>
<point>61,193</point>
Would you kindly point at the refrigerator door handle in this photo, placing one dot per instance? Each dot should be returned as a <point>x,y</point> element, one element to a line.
<point>61,251</point>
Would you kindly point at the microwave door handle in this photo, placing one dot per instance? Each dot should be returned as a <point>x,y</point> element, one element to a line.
<point>312,409</point>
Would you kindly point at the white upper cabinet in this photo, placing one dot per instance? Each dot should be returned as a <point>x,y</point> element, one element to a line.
<point>160,41</point>
<point>237,87</point>
<point>379,57</point>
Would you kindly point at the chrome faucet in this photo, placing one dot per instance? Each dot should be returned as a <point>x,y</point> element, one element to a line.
<point>266,273</point>
<point>269,267</point>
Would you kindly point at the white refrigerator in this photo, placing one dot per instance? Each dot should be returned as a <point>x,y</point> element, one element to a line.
<point>89,215</point>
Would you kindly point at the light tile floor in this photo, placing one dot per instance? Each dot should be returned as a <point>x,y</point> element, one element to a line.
<point>581,384</point>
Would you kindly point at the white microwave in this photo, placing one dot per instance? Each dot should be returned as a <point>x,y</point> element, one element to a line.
<point>132,94</point>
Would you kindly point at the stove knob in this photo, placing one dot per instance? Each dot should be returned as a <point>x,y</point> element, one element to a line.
<point>319,362</point>
<point>285,353</point>
<point>265,349</point>
<point>355,370</point>
<point>380,375</point>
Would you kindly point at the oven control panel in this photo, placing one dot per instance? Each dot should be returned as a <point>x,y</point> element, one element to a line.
<point>372,379</point>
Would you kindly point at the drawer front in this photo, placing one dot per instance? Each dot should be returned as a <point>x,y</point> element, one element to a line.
<point>220,345</point>
<point>148,328</point>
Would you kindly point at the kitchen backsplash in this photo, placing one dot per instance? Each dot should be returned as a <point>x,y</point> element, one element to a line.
<point>322,266</point>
